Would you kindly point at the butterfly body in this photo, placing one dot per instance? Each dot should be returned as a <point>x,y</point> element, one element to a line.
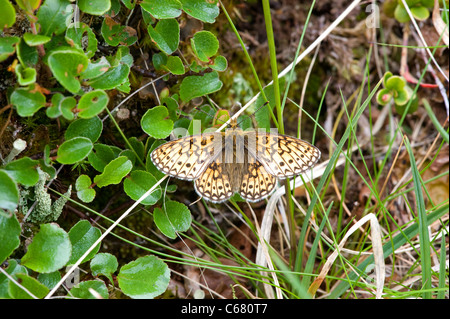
<point>235,161</point>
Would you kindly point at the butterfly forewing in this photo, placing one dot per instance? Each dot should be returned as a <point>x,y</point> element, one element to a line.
<point>186,158</point>
<point>284,156</point>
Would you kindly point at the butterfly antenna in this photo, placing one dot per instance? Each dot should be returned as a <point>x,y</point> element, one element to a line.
<point>259,108</point>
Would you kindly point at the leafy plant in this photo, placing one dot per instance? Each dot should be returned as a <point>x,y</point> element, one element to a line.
<point>397,90</point>
<point>420,9</point>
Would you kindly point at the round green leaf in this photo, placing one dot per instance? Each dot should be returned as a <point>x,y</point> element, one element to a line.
<point>31,284</point>
<point>145,278</point>
<point>166,35</point>
<point>140,182</point>
<point>100,156</point>
<point>115,34</point>
<point>174,65</point>
<point>175,218</point>
<point>155,124</point>
<point>9,235</point>
<point>395,83</point>
<point>112,78</point>
<point>420,13</point>
<point>35,39</point>
<point>94,7</point>
<point>114,172</point>
<point>82,290</point>
<point>53,16</point>
<point>67,64</point>
<point>7,46</point>
<point>198,85</point>
<point>25,76</point>
<point>84,190</point>
<point>8,16</point>
<point>162,9</point>
<point>23,171</point>
<point>205,45</point>
<point>9,193</point>
<point>74,150</point>
<point>207,11</point>
<point>82,236</point>
<point>220,64</point>
<point>104,264</point>
<point>90,128</point>
<point>27,100</point>
<point>82,37</point>
<point>92,103</point>
<point>61,105</point>
<point>49,251</point>
<point>12,269</point>
<point>49,280</point>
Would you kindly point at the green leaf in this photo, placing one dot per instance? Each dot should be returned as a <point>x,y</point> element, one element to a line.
<point>9,193</point>
<point>82,236</point>
<point>61,105</point>
<point>140,182</point>
<point>90,128</point>
<point>27,100</point>
<point>205,45</point>
<point>94,7</point>
<point>92,103</point>
<point>172,64</point>
<point>198,85</point>
<point>384,96</point>
<point>54,16</point>
<point>82,290</point>
<point>32,285</point>
<point>162,9</point>
<point>115,34</point>
<point>8,16</point>
<point>104,264</point>
<point>28,56</point>
<point>9,235</point>
<point>97,68</point>
<point>8,47</point>
<point>84,191</point>
<point>23,171</point>
<point>111,79</point>
<point>25,76</point>
<point>155,124</point>
<point>207,11</point>
<point>67,64</point>
<point>12,269</point>
<point>175,218</point>
<point>49,251</point>
<point>114,172</point>
<point>74,150</point>
<point>83,38</point>
<point>146,277</point>
<point>49,280</point>
<point>220,64</point>
<point>100,156</point>
<point>400,14</point>
<point>395,83</point>
<point>166,35</point>
<point>420,13</point>
<point>35,39</point>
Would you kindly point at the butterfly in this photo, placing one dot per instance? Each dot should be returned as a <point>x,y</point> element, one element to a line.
<point>235,161</point>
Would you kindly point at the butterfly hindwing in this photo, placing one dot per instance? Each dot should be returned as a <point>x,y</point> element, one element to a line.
<point>215,183</point>
<point>256,182</point>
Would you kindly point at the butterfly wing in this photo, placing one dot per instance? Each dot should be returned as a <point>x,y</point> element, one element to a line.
<point>187,157</point>
<point>256,183</point>
<point>283,156</point>
<point>215,183</point>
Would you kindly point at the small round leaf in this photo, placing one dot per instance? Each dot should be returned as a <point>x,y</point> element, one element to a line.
<point>49,251</point>
<point>92,103</point>
<point>140,182</point>
<point>155,124</point>
<point>74,150</point>
<point>145,278</point>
